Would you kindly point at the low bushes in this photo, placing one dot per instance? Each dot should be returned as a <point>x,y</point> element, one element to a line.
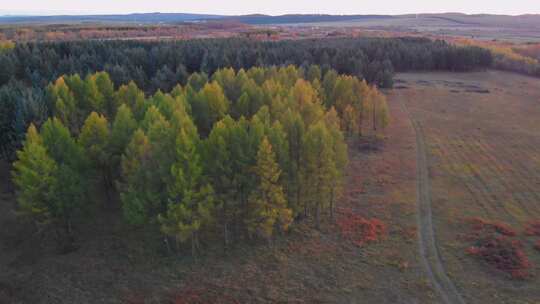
<point>481,226</point>
<point>360,230</point>
<point>503,253</point>
<point>532,228</point>
<point>537,245</point>
<point>495,243</point>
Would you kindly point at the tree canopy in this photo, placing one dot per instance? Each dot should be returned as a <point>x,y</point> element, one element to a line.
<point>237,155</point>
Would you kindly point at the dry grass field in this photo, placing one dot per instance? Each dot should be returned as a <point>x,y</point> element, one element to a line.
<point>482,138</point>
<point>519,29</point>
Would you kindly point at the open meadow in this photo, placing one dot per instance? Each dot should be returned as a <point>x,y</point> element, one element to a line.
<point>481,133</point>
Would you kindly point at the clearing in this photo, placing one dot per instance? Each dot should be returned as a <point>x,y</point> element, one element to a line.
<point>481,136</point>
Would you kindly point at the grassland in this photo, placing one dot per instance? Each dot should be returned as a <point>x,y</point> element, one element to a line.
<point>524,28</point>
<point>482,132</point>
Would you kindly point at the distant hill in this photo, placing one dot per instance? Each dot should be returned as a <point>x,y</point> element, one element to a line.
<point>130,18</point>
<point>406,20</point>
<point>301,18</point>
<point>180,17</point>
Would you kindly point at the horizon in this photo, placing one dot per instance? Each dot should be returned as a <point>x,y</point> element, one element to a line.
<point>275,8</point>
<point>88,13</point>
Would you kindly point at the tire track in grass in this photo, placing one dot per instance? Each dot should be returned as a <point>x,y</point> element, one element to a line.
<point>471,180</point>
<point>478,180</point>
<point>520,160</point>
<point>514,182</point>
<point>449,160</point>
<point>429,254</point>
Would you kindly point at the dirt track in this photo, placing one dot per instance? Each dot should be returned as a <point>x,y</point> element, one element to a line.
<point>429,253</point>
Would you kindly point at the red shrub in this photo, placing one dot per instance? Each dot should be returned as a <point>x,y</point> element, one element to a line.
<point>502,253</point>
<point>360,230</point>
<point>203,295</point>
<point>533,228</point>
<point>481,226</point>
<point>537,245</point>
<point>188,296</point>
<point>134,298</point>
<point>493,243</point>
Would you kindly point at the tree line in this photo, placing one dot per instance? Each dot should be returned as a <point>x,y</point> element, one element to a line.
<point>235,156</point>
<point>29,67</point>
<point>522,59</point>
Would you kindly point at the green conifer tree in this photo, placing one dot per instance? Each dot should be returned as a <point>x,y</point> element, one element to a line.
<point>267,207</point>
<point>34,175</point>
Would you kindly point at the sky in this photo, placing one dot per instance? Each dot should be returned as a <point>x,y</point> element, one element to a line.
<point>271,7</point>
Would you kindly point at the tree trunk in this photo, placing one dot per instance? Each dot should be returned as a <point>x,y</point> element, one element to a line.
<point>193,249</point>
<point>374,118</point>
<point>166,241</point>
<point>360,120</point>
<point>318,216</point>
<point>107,185</point>
<point>226,236</point>
<point>197,243</point>
<point>332,204</point>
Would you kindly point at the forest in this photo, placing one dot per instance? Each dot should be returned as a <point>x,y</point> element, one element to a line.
<point>235,156</point>
<point>27,68</point>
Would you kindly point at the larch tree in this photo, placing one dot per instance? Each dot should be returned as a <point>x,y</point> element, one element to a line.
<point>190,206</point>
<point>121,131</point>
<point>34,175</point>
<point>151,116</point>
<point>242,144</point>
<point>106,88</point>
<point>314,73</point>
<point>209,106</point>
<point>227,80</point>
<point>64,104</point>
<point>218,167</point>
<point>306,101</point>
<point>69,193</point>
<point>134,194</point>
<point>250,101</point>
<point>96,100</point>
<point>340,157</point>
<point>133,97</point>
<point>319,168</point>
<point>350,120</point>
<point>258,74</point>
<point>197,80</point>
<point>295,129</point>
<point>328,84</point>
<point>280,145</point>
<point>164,102</point>
<point>267,209</point>
<point>95,138</point>
<point>161,136</point>
<point>218,105</point>
<point>380,112</point>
